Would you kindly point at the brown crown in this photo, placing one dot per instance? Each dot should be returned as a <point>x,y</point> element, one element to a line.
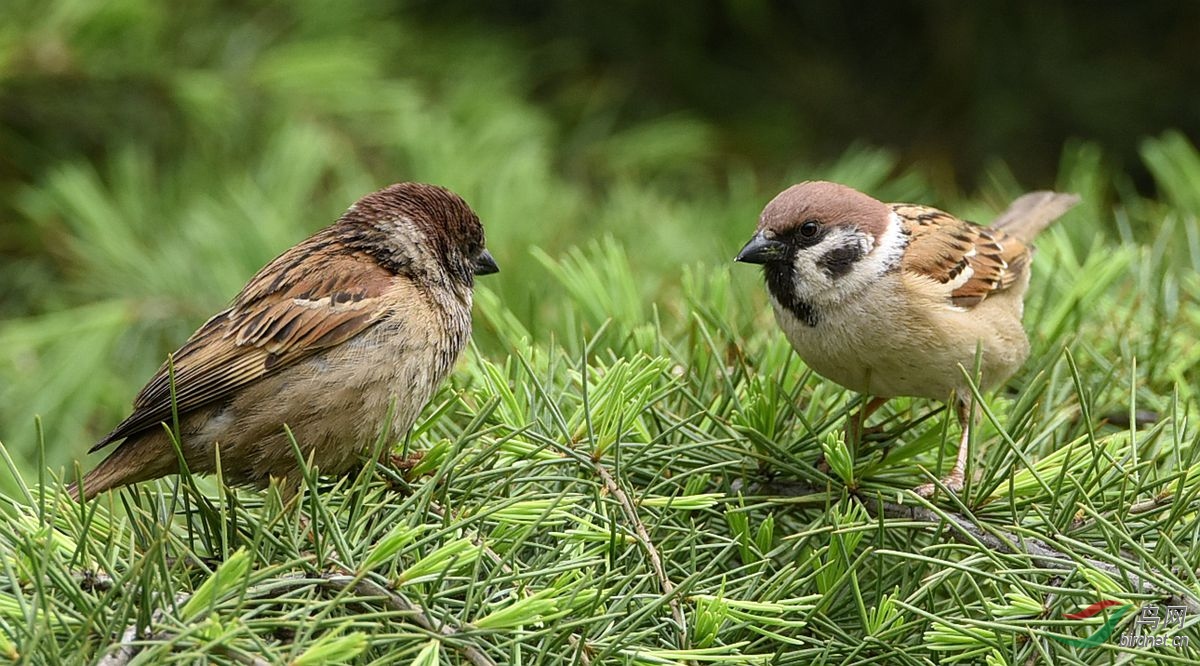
<point>830,204</point>
<point>444,218</point>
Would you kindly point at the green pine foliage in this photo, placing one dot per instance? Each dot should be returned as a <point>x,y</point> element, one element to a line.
<point>622,468</point>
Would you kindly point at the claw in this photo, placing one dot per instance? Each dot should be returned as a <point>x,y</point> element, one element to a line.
<point>952,482</point>
<point>405,464</point>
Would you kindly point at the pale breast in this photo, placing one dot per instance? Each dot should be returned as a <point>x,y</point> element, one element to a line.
<point>400,364</point>
<point>887,348</point>
<point>336,402</point>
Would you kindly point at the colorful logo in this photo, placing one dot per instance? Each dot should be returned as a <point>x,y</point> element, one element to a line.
<point>1105,631</point>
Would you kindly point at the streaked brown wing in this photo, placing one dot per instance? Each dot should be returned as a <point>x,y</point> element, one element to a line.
<point>970,260</point>
<point>287,312</point>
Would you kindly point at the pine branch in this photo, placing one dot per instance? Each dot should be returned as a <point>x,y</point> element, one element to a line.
<point>972,533</point>
<point>398,602</point>
<point>127,650</point>
<point>643,536</point>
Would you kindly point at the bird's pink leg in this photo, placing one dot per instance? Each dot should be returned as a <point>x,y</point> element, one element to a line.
<point>955,479</point>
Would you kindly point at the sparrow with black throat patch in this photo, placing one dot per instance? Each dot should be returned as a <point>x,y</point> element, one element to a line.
<point>894,299</point>
<point>363,319</point>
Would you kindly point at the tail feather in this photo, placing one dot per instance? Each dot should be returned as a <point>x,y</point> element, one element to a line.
<point>1031,213</point>
<point>139,459</point>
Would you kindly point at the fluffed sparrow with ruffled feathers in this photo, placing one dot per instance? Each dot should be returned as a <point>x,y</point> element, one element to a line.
<point>892,299</point>
<point>363,319</point>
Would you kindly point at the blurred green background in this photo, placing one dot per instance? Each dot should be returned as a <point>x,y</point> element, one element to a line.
<point>154,155</point>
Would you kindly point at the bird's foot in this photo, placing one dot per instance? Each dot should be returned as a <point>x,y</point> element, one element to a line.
<point>399,469</point>
<point>952,482</point>
<point>822,465</point>
<point>405,464</point>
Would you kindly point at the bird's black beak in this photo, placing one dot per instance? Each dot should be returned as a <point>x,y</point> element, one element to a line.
<point>486,264</point>
<point>761,250</point>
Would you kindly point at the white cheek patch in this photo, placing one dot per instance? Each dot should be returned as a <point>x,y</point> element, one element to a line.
<point>815,284</point>
<point>402,228</point>
<point>810,278</point>
<point>410,236</point>
<point>888,251</point>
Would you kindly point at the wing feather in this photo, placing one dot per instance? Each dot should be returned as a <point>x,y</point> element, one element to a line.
<point>972,261</point>
<point>288,311</point>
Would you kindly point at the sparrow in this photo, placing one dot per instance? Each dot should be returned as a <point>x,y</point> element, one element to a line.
<point>358,324</point>
<point>893,299</point>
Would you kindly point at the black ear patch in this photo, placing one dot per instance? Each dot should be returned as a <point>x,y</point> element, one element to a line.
<point>838,261</point>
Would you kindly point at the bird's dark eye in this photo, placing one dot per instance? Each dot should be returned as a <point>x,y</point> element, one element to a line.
<point>810,228</point>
